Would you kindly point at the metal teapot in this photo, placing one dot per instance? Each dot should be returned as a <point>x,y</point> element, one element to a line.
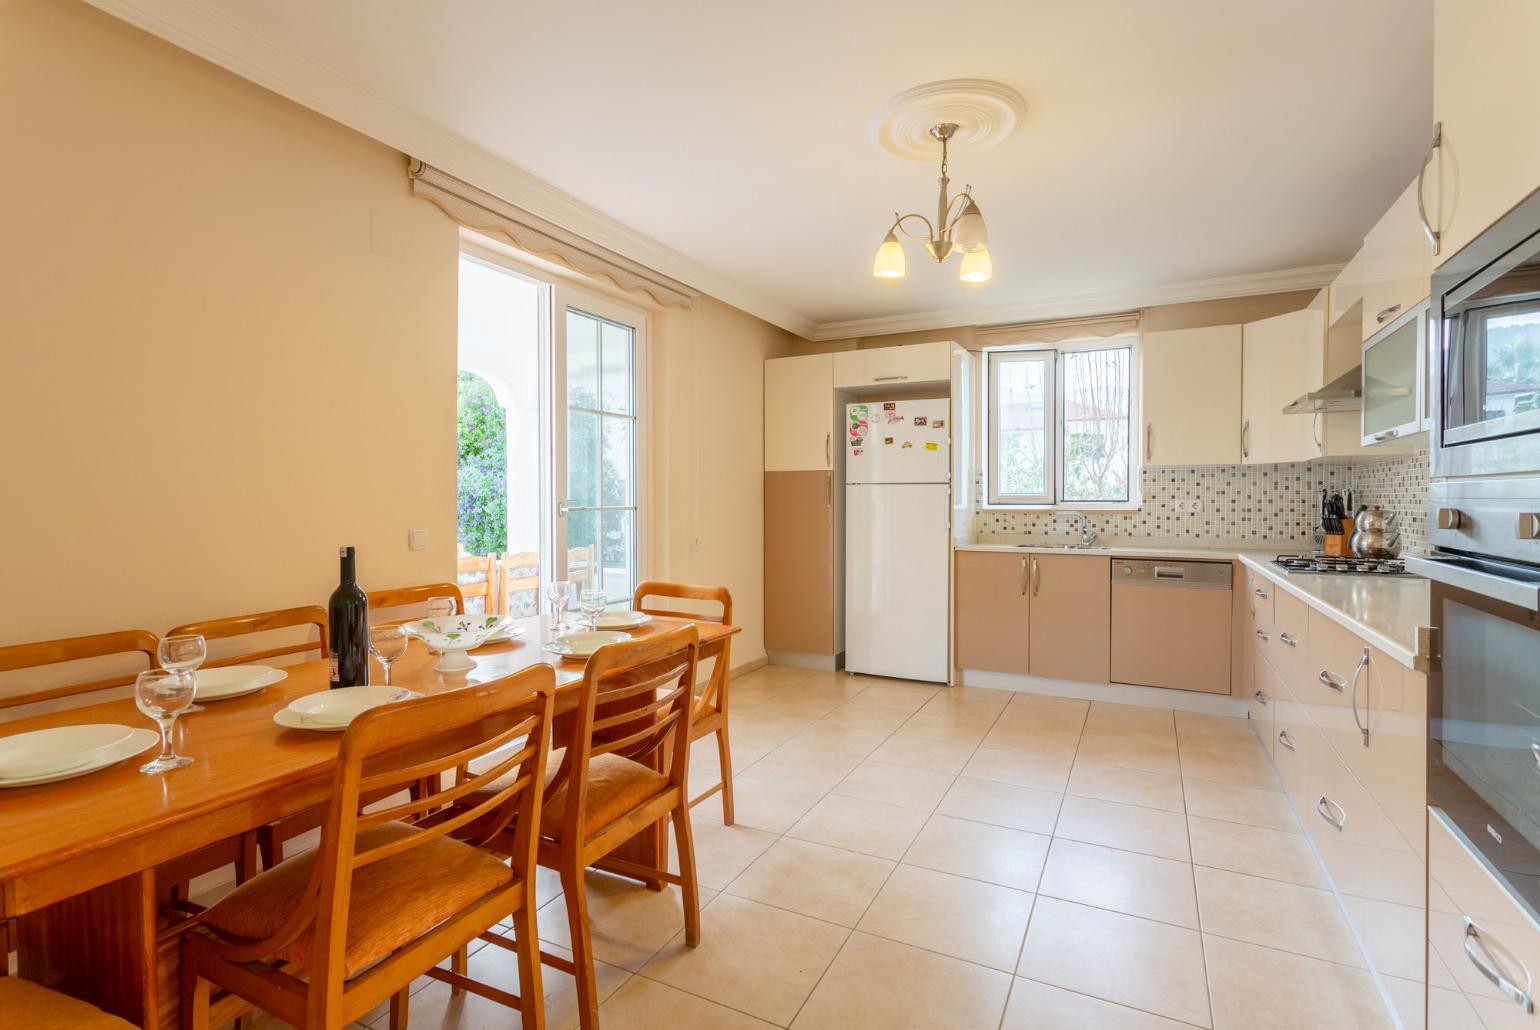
<point>1375,534</point>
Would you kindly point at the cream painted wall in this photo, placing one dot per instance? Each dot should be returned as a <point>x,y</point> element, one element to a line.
<point>210,378</point>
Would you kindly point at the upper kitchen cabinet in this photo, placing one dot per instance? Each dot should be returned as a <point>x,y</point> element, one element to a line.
<point>1486,99</point>
<point>1394,374</point>
<point>799,413</point>
<point>1395,262</point>
<point>894,366</point>
<point>1190,395</point>
<point>1282,358</point>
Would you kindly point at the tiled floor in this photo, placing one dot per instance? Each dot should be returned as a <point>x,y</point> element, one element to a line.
<point>910,856</point>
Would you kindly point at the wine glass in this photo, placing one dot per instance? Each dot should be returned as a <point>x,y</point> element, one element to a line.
<point>593,603</point>
<point>562,594</point>
<point>183,652</point>
<point>442,607</point>
<point>164,694</point>
<point>387,643</point>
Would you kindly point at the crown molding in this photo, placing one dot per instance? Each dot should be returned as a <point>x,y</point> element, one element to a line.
<point>1312,277</point>
<point>215,36</point>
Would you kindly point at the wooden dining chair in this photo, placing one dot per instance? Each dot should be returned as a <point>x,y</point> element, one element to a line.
<point>472,566</point>
<point>312,615</point>
<point>400,597</point>
<point>625,766</point>
<point>393,890</point>
<point>31,1006</point>
<point>16,657</point>
<point>515,577</point>
<point>580,566</point>
<point>710,715</point>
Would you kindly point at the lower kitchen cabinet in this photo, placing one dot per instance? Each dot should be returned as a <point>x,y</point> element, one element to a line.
<point>992,611</point>
<point>1071,604</point>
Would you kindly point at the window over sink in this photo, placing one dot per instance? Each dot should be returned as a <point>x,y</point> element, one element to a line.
<point>1058,422</point>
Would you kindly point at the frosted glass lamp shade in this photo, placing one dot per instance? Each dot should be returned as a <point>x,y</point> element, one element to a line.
<point>976,267</point>
<point>969,234</point>
<point>889,263</point>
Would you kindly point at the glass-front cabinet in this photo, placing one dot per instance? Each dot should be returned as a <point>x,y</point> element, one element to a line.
<point>1394,373</point>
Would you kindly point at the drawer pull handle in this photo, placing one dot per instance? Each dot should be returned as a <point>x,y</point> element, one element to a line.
<point>1286,740</point>
<point>1487,955</point>
<point>1261,636</point>
<point>1023,575</point>
<point>1288,640</point>
<point>1363,727</point>
<point>1383,315</point>
<point>889,379</point>
<point>1534,749</point>
<point>1261,698</point>
<point>1334,682</point>
<point>1324,805</point>
<point>1260,593</point>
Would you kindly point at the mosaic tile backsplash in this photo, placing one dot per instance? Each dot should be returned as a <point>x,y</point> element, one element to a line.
<point>1263,506</point>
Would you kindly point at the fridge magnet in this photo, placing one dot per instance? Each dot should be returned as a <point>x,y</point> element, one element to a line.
<point>894,418</point>
<point>907,445</point>
<point>940,423</point>
<point>889,405</point>
<point>858,452</point>
<point>887,441</point>
<point>930,445</point>
<point>855,429</point>
<point>919,420</point>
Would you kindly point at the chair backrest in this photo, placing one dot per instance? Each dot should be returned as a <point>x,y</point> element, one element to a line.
<point>580,566</point>
<point>505,724</point>
<point>635,702</point>
<point>262,622</point>
<point>474,565</point>
<point>400,597</point>
<point>715,693</point>
<point>520,572</point>
<point>75,649</point>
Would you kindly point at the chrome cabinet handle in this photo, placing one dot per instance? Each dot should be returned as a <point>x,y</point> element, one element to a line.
<point>1363,663</point>
<point>1383,315</point>
<point>1389,434</point>
<point>1037,577</point>
<point>1262,636</point>
<point>1433,235</point>
<point>1487,955</point>
<point>1288,640</point>
<point>1023,575</point>
<point>1334,682</point>
<point>828,448</point>
<point>1534,749</point>
<point>1149,435</point>
<point>1286,740</point>
<point>889,379</point>
<point>1260,593</point>
<point>1246,438</point>
<point>1261,698</point>
<point>1324,805</point>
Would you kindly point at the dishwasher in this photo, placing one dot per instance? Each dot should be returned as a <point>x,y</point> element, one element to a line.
<point>1171,624</point>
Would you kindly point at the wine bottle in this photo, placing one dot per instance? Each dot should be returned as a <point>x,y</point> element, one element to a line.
<point>348,613</point>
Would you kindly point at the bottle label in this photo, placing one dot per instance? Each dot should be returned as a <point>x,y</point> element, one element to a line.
<point>336,675</point>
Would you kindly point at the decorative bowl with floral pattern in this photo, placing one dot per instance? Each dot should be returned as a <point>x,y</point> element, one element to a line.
<point>454,635</point>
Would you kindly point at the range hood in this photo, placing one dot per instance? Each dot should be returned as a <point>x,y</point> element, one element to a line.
<point>1343,393</point>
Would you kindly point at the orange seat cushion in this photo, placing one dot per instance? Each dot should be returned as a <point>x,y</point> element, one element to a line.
<point>616,786</point>
<point>26,1006</point>
<point>394,901</point>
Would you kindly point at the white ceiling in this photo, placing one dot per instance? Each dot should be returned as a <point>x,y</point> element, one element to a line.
<point>1165,141</point>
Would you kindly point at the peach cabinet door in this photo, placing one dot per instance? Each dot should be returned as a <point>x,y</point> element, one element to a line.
<point>1071,603</point>
<point>991,615</point>
<point>799,562</point>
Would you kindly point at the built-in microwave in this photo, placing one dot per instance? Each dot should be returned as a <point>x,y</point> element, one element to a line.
<point>1486,304</point>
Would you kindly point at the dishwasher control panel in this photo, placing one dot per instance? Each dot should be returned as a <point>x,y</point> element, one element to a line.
<point>1211,575</point>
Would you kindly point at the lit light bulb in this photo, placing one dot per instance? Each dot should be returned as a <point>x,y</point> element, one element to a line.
<point>889,263</point>
<point>976,267</point>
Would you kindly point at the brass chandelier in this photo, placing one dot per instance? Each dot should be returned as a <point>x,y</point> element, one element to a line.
<point>962,232</point>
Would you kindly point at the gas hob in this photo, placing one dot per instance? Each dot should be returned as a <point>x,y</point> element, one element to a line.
<point>1320,563</point>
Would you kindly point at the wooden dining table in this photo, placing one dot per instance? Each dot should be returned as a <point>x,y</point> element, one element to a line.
<point>78,857</point>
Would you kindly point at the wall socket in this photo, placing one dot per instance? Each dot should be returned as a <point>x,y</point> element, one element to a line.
<point>1187,505</point>
<point>417,540</point>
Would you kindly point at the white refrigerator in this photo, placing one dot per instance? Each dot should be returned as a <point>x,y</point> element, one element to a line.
<point>898,538</point>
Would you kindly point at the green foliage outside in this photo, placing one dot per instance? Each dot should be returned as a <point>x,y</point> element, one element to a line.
<point>482,504</point>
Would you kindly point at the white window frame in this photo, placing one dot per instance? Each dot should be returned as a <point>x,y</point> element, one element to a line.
<point>1055,399</point>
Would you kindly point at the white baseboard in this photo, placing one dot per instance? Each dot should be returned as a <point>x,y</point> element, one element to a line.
<point>1118,693</point>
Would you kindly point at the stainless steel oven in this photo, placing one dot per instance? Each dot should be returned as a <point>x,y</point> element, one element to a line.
<point>1486,306</point>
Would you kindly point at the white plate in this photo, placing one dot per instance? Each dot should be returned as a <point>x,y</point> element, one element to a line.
<point>581,645</point>
<point>508,632</point>
<point>54,750</point>
<point>136,742</point>
<point>623,620</point>
<point>334,709</point>
<point>235,681</point>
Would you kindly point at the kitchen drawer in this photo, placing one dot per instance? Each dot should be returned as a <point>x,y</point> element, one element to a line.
<point>1333,656</point>
<point>1288,652</point>
<point>1260,589</point>
<point>1267,690</point>
<point>890,366</point>
<point>1392,762</point>
<point>1348,812</point>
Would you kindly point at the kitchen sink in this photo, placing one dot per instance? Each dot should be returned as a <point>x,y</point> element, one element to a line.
<point>1067,547</point>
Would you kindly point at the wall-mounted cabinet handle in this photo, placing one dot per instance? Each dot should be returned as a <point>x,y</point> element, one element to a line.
<point>1262,636</point>
<point>1336,683</point>
<point>1246,438</point>
<point>1286,740</point>
<point>1324,806</point>
<point>828,490</point>
<point>1023,575</point>
<point>1261,698</point>
<point>1389,434</point>
<point>1149,436</point>
<point>889,379</point>
<point>1363,727</point>
<point>828,449</point>
<point>1434,235</point>
<point>1383,315</point>
<point>1288,640</point>
<point>1488,955</point>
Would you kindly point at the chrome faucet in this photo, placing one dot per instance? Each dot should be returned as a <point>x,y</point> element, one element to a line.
<point>1087,531</point>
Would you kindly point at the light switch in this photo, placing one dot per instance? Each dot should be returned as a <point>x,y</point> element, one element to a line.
<point>417,540</point>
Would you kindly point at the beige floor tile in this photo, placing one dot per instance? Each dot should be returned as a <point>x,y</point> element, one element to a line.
<point>1286,916</point>
<point>801,705</point>
<point>754,958</point>
<point>1268,809</point>
<point>997,854</point>
<point>1023,770</point>
<point>969,700</point>
<point>878,984</point>
<point>643,1004</point>
<point>759,721</point>
<point>921,752</point>
<point>839,738</point>
<point>805,763</point>
<point>1130,729</point>
<point>894,694</point>
<point>1129,827</point>
<point>895,785</point>
<point>627,922</point>
<point>1004,804</point>
<point>856,824</point>
<point>1023,697</point>
<point>1027,738</point>
<point>772,805</point>
<point>1195,728</point>
<point>771,676</point>
<point>1135,962</point>
<point>1112,711</point>
<point>1125,881</point>
<point>722,852</point>
<point>1048,720</point>
<point>864,716</point>
<point>1251,849</point>
<point>1257,988</point>
<point>958,730</point>
<point>816,880</point>
<point>967,919</point>
<point>1035,1006</point>
<point>1242,768</point>
<point>1129,786</point>
<point>1128,753</point>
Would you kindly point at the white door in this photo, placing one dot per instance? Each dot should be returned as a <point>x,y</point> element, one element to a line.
<point>597,467</point>
<point>897,604</point>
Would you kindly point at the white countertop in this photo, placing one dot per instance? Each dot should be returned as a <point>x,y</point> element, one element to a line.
<point>1384,610</point>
